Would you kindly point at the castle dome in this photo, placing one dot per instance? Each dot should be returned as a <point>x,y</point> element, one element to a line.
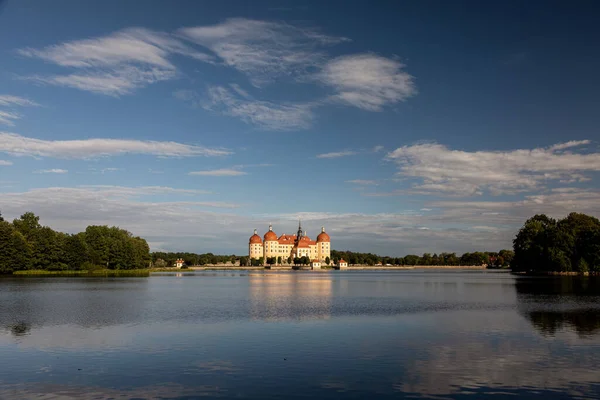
<point>323,237</point>
<point>255,238</point>
<point>270,235</point>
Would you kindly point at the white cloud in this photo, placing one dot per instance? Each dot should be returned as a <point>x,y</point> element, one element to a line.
<point>263,50</point>
<point>377,149</point>
<point>265,114</point>
<point>115,64</point>
<point>88,148</point>
<point>7,117</point>
<point>219,172</point>
<point>456,172</point>
<point>9,100</point>
<point>5,163</point>
<point>362,182</point>
<point>368,81</point>
<point>336,154</point>
<point>51,171</point>
<point>568,145</point>
<point>119,81</point>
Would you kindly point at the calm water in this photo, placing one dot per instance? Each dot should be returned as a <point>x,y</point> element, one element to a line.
<point>300,335</point>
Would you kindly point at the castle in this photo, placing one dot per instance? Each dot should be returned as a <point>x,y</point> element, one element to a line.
<point>290,246</point>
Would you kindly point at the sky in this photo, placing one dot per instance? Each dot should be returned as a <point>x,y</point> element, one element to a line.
<point>402,127</point>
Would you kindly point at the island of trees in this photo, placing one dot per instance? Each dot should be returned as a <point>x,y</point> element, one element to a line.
<point>567,245</point>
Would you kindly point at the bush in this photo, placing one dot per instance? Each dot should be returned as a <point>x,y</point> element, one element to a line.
<point>88,266</point>
<point>583,266</point>
<point>184,267</point>
<point>58,266</point>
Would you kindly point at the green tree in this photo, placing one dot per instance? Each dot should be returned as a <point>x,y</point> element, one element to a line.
<point>15,251</point>
<point>279,260</point>
<point>289,260</point>
<point>327,260</point>
<point>76,251</point>
<point>27,224</point>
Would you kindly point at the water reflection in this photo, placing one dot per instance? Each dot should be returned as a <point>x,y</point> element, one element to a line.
<point>28,303</point>
<point>20,329</point>
<point>290,296</point>
<point>554,304</point>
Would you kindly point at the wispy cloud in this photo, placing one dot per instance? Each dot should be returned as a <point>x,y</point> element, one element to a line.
<point>51,171</point>
<point>377,149</point>
<point>115,64</point>
<point>455,172</point>
<point>119,81</point>
<point>219,172</point>
<point>337,154</point>
<point>105,170</point>
<point>263,50</point>
<point>368,81</point>
<point>362,182</point>
<point>5,163</point>
<point>89,148</point>
<point>265,114</point>
<point>7,117</point>
<point>9,100</point>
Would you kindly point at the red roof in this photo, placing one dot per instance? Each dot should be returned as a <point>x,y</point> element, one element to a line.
<point>342,261</point>
<point>286,239</point>
<point>270,235</point>
<point>255,239</point>
<point>315,261</point>
<point>323,237</point>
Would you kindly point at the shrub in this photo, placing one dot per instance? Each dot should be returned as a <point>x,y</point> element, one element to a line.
<point>88,266</point>
<point>58,266</point>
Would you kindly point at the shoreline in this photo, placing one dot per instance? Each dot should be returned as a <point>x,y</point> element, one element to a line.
<point>149,271</point>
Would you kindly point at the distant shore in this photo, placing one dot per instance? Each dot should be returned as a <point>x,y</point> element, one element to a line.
<point>226,267</point>
<point>229,267</point>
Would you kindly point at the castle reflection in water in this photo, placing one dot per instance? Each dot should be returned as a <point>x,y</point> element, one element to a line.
<point>290,296</point>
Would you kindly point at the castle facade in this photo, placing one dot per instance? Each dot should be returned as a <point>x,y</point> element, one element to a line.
<point>290,246</point>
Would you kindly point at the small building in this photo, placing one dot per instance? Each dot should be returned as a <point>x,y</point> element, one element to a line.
<point>315,264</point>
<point>179,263</point>
<point>342,264</point>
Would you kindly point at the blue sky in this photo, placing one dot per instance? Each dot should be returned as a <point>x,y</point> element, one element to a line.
<point>402,128</point>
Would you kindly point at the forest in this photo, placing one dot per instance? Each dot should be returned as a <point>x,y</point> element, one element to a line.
<point>27,245</point>
<point>571,244</point>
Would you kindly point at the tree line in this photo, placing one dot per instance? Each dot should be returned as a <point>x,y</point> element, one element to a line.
<point>571,244</point>
<point>162,259</point>
<point>498,259</point>
<point>26,244</point>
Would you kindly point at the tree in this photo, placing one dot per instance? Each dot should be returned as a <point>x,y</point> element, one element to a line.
<point>15,252</point>
<point>279,260</point>
<point>327,260</point>
<point>570,244</point>
<point>27,224</point>
<point>289,260</point>
<point>76,251</point>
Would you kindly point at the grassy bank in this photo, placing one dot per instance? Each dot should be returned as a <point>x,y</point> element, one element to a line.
<point>101,272</point>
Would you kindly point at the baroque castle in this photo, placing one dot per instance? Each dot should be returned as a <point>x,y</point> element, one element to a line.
<point>290,246</point>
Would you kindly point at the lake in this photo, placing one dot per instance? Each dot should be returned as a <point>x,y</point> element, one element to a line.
<point>293,335</point>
